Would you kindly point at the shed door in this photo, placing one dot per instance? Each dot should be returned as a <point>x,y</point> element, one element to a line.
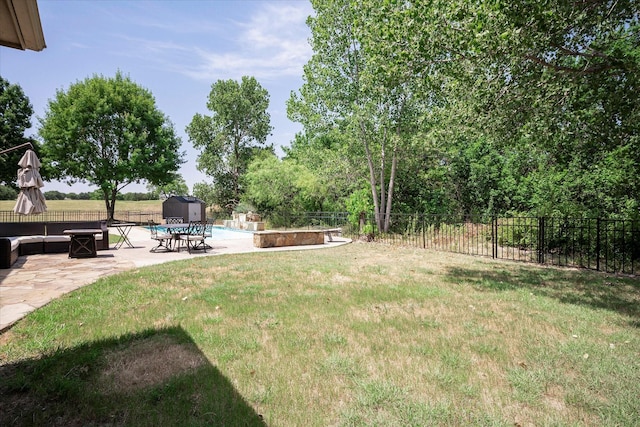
<point>194,212</point>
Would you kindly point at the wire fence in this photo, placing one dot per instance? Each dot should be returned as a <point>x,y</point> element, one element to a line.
<point>609,245</point>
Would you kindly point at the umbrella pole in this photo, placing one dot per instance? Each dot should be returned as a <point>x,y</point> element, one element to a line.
<point>17,147</point>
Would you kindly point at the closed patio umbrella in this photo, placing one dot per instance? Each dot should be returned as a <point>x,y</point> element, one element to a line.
<point>30,201</point>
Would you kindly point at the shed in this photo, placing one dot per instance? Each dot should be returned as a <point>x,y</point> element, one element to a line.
<point>189,208</point>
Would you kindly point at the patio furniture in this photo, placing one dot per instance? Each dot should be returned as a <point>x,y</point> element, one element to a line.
<point>123,229</point>
<point>164,239</point>
<point>195,236</point>
<point>174,220</point>
<point>83,242</point>
<point>208,232</point>
<point>177,230</point>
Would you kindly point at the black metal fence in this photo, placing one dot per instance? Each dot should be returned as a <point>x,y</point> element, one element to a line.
<point>609,245</point>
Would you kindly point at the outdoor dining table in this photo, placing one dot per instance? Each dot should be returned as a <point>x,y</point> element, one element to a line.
<point>176,230</point>
<point>123,229</point>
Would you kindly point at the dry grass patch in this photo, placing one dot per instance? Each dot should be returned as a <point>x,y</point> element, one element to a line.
<point>148,362</point>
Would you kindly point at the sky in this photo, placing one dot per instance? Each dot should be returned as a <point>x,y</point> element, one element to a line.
<point>176,49</point>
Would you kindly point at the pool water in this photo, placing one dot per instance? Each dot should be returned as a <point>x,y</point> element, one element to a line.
<point>222,233</point>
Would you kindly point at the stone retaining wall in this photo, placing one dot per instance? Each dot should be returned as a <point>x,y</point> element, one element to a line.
<point>248,221</point>
<point>271,239</point>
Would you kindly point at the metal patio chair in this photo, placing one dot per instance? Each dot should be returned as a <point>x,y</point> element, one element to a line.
<point>163,239</point>
<point>195,237</point>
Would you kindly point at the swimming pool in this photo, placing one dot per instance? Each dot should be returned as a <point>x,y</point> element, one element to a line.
<point>222,233</point>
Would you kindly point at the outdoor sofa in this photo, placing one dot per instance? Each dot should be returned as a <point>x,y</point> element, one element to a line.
<point>28,238</point>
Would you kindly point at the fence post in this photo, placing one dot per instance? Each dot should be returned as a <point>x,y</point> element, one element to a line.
<point>541,240</point>
<point>494,237</point>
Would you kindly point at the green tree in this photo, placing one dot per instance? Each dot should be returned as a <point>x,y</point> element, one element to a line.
<point>96,195</point>
<point>54,195</point>
<point>232,135</point>
<point>135,196</point>
<point>331,159</point>
<point>178,187</point>
<point>282,187</point>
<point>360,208</point>
<point>7,193</point>
<point>556,81</point>
<point>109,132</point>
<point>349,86</point>
<point>15,119</point>
<point>478,107</point>
<point>573,92</point>
<point>204,192</point>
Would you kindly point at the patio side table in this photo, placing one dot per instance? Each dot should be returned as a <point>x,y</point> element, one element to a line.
<point>123,229</point>
<point>83,242</point>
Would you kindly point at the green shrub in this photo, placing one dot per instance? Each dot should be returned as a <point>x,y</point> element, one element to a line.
<point>7,193</point>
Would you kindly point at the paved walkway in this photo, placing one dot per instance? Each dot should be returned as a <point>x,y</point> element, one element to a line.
<point>35,280</point>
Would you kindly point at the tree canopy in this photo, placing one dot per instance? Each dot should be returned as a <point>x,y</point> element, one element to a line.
<point>342,90</point>
<point>177,187</point>
<point>109,132</point>
<point>15,119</point>
<point>275,186</point>
<point>232,135</point>
<point>479,107</point>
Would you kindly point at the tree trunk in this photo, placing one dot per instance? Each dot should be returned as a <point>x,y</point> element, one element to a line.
<point>392,179</point>
<point>383,166</point>
<point>372,176</point>
<point>110,203</point>
<point>236,171</point>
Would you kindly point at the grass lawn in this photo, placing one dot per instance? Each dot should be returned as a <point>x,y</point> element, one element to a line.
<point>363,334</point>
<point>92,205</point>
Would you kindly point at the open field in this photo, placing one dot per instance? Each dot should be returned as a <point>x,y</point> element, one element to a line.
<point>92,205</point>
<point>364,334</point>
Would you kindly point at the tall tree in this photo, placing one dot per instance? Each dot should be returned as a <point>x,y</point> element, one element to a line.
<point>177,187</point>
<point>229,138</point>
<point>523,105</point>
<point>109,132</point>
<point>357,80</point>
<point>558,80</point>
<point>15,119</point>
<point>333,95</point>
<point>576,93</point>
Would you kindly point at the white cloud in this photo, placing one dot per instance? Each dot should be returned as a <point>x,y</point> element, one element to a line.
<point>273,43</point>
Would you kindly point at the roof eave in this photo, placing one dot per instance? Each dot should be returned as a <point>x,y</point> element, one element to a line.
<point>20,25</point>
